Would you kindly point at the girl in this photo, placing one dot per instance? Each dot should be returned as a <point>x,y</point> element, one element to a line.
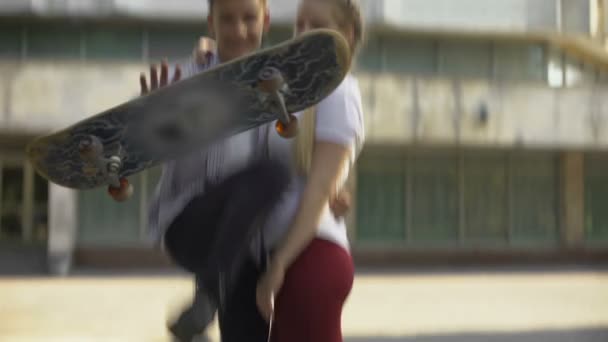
<point>311,270</point>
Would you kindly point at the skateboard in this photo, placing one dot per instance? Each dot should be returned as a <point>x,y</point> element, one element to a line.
<point>264,86</point>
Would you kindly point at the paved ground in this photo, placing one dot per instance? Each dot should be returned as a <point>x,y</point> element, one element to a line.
<point>474,306</point>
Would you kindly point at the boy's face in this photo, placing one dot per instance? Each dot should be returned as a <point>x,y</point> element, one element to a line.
<point>238,26</point>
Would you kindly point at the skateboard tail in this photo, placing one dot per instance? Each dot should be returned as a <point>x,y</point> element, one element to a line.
<point>37,152</point>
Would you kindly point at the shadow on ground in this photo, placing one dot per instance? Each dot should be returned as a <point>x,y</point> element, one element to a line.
<point>578,335</point>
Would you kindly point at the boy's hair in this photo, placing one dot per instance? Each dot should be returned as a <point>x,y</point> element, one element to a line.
<point>211,2</point>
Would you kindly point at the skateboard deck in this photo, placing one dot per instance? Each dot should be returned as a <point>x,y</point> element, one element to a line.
<point>193,113</point>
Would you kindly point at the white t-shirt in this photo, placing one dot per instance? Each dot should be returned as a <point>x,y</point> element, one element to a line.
<point>339,119</point>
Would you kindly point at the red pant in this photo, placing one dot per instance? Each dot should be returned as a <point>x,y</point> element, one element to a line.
<point>309,305</point>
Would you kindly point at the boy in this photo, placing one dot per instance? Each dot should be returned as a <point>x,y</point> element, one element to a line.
<point>227,177</point>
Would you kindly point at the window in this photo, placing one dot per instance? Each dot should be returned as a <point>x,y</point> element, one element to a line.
<point>410,55</point>
<point>102,221</point>
<point>11,41</point>
<point>576,73</point>
<point>466,59</point>
<point>370,55</point>
<point>277,35</point>
<point>434,198</point>
<point>41,203</point>
<point>11,203</point>
<point>485,196</point>
<point>519,61</point>
<point>596,197</point>
<point>113,44</point>
<point>534,198</point>
<point>381,202</point>
<point>460,197</point>
<point>173,43</point>
<point>53,42</point>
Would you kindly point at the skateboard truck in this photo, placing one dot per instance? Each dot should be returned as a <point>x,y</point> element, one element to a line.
<point>271,81</point>
<point>90,148</point>
<point>91,151</point>
<point>119,188</point>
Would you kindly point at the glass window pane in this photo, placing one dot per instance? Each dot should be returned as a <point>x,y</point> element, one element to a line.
<point>596,197</point>
<point>12,202</point>
<point>115,44</point>
<point>173,43</point>
<point>53,42</point>
<point>434,202</point>
<point>370,56</point>
<point>485,198</point>
<point>578,73</point>
<point>105,222</point>
<point>380,203</point>
<point>466,59</point>
<point>10,41</point>
<point>534,201</point>
<point>277,35</point>
<point>519,61</point>
<point>41,203</point>
<point>410,55</point>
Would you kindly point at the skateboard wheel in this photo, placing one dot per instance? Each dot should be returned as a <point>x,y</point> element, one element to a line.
<point>90,148</point>
<point>114,164</point>
<point>121,193</point>
<point>288,130</point>
<point>270,80</point>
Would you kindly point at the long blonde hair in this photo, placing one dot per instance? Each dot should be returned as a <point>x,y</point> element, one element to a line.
<point>305,140</point>
<point>348,14</point>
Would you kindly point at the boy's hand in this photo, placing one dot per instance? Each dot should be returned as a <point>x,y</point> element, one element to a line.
<point>340,204</point>
<point>155,82</point>
<point>203,50</point>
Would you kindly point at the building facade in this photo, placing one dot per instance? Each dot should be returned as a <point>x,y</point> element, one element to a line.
<point>486,126</point>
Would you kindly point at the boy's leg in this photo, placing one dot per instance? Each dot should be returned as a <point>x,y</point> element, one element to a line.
<point>254,193</point>
<point>213,236</point>
<point>231,208</point>
<point>239,319</point>
<point>192,233</point>
<point>196,317</point>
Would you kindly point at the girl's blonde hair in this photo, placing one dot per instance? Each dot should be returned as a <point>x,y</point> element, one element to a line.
<point>210,3</point>
<point>347,13</point>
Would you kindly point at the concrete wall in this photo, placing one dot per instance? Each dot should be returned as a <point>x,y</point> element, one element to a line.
<point>282,11</point>
<point>37,97</point>
<point>504,15</point>
<point>512,15</point>
<point>575,17</point>
<point>570,16</point>
<point>443,111</point>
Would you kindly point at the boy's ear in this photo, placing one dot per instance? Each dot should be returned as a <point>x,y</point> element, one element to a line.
<point>266,20</point>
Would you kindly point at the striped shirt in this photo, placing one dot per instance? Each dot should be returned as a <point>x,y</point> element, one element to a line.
<point>185,178</point>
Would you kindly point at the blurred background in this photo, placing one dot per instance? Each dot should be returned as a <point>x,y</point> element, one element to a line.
<point>486,124</point>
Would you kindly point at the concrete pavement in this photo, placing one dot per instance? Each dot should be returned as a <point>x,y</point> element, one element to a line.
<point>567,305</point>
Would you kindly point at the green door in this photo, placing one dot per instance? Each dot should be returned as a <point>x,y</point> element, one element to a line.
<point>596,198</point>
<point>381,201</point>
<point>104,222</point>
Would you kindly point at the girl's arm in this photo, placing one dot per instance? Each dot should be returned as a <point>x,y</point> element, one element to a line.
<point>327,162</point>
<point>326,165</point>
